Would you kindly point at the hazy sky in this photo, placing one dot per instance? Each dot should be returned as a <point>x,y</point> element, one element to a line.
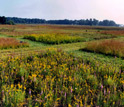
<point>64,9</point>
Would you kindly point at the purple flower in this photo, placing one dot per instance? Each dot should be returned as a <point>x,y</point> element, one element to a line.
<point>34,79</point>
<point>22,78</point>
<point>29,91</point>
<point>65,94</point>
<point>41,93</point>
<point>61,92</point>
<point>71,89</point>
<point>2,93</point>
<point>104,91</point>
<point>120,71</point>
<point>101,86</point>
<point>78,105</point>
<point>108,92</point>
<point>3,72</point>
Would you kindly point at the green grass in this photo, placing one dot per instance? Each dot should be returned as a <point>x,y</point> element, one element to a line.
<point>33,43</point>
<point>70,48</point>
<point>98,57</point>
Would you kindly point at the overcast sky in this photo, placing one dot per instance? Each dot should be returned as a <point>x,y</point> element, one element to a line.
<point>64,9</point>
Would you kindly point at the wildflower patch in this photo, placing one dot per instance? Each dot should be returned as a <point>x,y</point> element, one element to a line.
<point>54,38</point>
<point>55,78</point>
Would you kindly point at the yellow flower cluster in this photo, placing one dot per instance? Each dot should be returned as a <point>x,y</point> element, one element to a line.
<point>54,38</point>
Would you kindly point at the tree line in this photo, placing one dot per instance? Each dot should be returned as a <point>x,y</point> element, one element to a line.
<point>4,20</point>
<point>91,22</point>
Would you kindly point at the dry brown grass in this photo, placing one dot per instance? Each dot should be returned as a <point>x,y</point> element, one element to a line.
<point>6,43</point>
<point>114,32</point>
<point>108,47</point>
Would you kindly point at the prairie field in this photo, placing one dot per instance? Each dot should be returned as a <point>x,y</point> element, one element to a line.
<point>61,66</point>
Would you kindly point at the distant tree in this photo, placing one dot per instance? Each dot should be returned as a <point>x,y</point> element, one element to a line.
<point>65,21</point>
<point>2,20</point>
<point>10,22</point>
<point>106,22</point>
<point>95,22</point>
<point>112,23</point>
<point>90,22</point>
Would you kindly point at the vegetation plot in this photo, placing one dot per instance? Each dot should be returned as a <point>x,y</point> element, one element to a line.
<point>55,78</point>
<point>54,38</point>
<point>109,47</point>
<point>6,43</point>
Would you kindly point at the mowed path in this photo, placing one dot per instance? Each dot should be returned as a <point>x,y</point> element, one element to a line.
<point>37,47</point>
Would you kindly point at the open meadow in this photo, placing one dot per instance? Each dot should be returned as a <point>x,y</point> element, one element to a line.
<point>61,66</point>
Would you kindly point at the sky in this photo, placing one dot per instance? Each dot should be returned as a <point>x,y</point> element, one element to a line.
<point>64,9</point>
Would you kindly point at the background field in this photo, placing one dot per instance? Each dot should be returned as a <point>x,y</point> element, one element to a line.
<point>89,33</point>
<point>96,57</point>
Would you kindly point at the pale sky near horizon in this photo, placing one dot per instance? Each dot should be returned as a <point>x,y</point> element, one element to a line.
<point>64,9</point>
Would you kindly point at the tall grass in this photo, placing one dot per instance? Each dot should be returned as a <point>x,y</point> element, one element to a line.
<point>109,47</point>
<point>6,43</point>
<point>113,32</point>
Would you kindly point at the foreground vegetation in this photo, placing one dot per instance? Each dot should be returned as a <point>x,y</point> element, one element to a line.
<point>62,75</point>
<point>54,78</point>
